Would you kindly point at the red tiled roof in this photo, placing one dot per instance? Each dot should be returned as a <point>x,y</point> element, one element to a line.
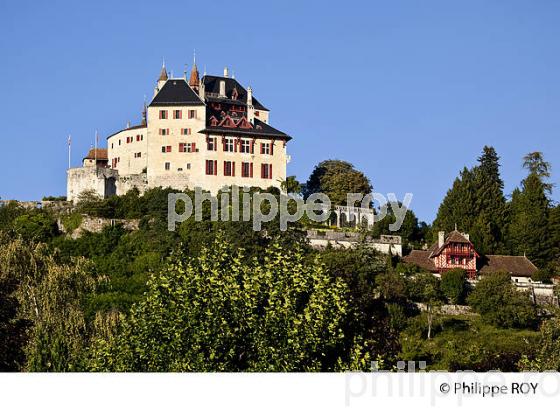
<point>101,154</point>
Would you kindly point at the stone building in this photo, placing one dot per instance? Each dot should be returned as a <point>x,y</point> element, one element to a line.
<point>207,132</point>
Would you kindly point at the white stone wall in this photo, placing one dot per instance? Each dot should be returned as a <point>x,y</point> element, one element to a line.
<point>133,155</point>
<point>101,180</point>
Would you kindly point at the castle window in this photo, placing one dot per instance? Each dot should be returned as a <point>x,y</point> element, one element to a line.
<point>229,168</point>
<point>229,145</point>
<point>119,142</point>
<point>164,131</point>
<point>192,114</point>
<point>247,169</point>
<point>189,166</point>
<point>112,145</point>
<point>265,148</point>
<point>257,113</point>
<point>162,114</point>
<point>187,147</point>
<point>211,144</point>
<point>167,166</point>
<point>137,155</point>
<point>177,114</point>
<point>245,146</point>
<point>139,138</point>
<point>166,148</point>
<point>266,171</point>
<point>185,131</point>
<point>211,167</point>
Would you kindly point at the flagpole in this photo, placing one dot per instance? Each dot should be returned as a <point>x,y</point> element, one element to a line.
<point>69,151</point>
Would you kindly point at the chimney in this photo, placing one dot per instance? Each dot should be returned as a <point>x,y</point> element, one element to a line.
<point>222,89</point>
<point>441,238</point>
<point>250,108</point>
<point>226,72</point>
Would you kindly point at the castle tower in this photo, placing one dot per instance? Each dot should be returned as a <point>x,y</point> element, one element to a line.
<point>162,77</point>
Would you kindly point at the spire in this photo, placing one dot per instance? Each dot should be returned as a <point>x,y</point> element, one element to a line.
<point>144,112</point>
<point>194,80</point>
<point>163,74</point>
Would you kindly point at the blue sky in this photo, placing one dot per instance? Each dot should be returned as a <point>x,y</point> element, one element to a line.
<point>408,91</point>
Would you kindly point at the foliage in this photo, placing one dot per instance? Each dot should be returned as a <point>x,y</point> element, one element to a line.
<point>37,226</point>
<point>220,312</point>
<point>501,304</point>
<point>291,185</point>
<point>465,343</point>
<point>49,297</point>
<point>454,285</point>
<point>337,178</point>
<point>425,288</point>
<point>547,355</point>
<point>72,221</point>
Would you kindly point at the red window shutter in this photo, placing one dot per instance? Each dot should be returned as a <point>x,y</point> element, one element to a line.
<point>233,169</point>
<point>194,147</point>
<point>272,148</point>
<point>270,171</point>
<point>251,170</point>
<point>207,172</point>
<point>252,147</point>
<point>223,144</point>
<point>262,148</point>
<point>235,144</point>
<point>262,170</point>
<point>215,167</point>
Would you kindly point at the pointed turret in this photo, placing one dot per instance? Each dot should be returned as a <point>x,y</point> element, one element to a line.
<point>194,81</point>
<point>162,79</point>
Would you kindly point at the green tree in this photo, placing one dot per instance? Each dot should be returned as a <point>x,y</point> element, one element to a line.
<point>36,227</point>
<point>476,204</point>
<point>291,185</point>
<point>547,355</point>
<point>220,312</point>
<point>454,285</point>
<point>501,304</point>
<point>49,297</point>
<point>336,179</point>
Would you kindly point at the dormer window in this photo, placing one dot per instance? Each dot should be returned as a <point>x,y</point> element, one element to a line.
<point>234,94</point>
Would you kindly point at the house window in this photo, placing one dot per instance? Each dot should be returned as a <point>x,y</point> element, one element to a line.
<point>245,146</point>
<point>177,114</point>
<point>265,148</point>
<point>185,131</point>
<point>167,166</point>
<point>166,148</point>
<point>139,138</point>
<point>266,171</point>
<point>211,167</point>
<point>192,114</point>
<point>137,155</point>
<point>162,114</point>
<point>247,169</point>
<point>229,168</point>
<point>229,145</point>
<point>164,131</point>
<point>211,144</point>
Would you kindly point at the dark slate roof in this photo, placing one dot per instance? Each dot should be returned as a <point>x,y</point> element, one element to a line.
<point>421,259</point>
<point>176,92</point>
<point>212,85</point>
<point>514,265</point>
<point>260,129</point>
<point>134,127</point>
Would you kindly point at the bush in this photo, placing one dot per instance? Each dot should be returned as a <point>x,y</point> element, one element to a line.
<point>454,286</point>
<point>501,304</point>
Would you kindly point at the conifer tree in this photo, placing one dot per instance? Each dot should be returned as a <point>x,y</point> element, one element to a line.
<point>476,204</point>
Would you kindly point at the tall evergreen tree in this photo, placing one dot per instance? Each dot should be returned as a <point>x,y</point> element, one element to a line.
<point>490,221</point>
<point>529,231</point>
<point>476,204</point>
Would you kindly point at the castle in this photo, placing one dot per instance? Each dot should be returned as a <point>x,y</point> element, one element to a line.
<point>207,132</point>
